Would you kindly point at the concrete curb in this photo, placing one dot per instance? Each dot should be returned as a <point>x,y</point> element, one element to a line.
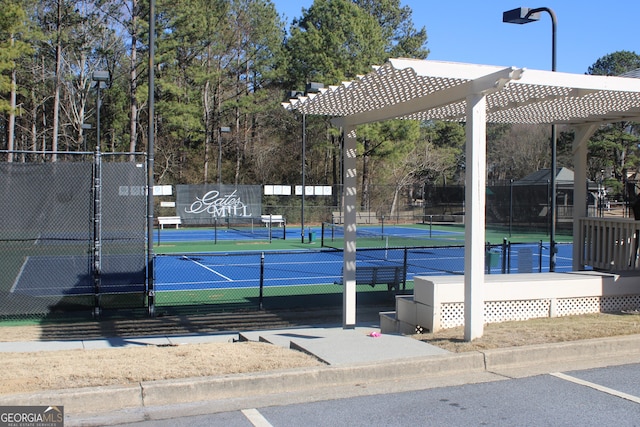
<point>546,354</point>
<point>159,393</point>
<point>90,400</point>
<point>97,400</point>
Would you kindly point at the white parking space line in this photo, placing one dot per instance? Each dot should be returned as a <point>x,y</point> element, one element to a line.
<point>256,418</point>
<point>595,386</point>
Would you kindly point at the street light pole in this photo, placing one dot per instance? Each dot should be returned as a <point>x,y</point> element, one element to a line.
<point>101,78</point>
<point>523,15</point>
<point>151,291</point>
<point>311,89</point>
<point>304,145</point>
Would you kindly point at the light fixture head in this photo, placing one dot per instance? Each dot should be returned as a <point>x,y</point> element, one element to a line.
<point>100,76</point>
<point>521,15</point>
<point>313,87</point>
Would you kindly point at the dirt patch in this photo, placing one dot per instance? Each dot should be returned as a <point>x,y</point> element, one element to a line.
<point>537,331</point>
<point>48,370</point>
<point>27,372</point>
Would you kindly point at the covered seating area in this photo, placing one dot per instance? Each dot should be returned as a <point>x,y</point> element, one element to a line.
<point>474,95</point>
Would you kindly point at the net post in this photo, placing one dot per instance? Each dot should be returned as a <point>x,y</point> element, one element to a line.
<point>284,228</point>
<point>505,247</point>
<point>322,235</point>
<point>540,257</point>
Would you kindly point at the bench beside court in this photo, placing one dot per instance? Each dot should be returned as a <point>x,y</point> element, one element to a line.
<point>391,275</point>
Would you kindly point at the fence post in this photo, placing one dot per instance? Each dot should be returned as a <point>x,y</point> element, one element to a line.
<point>404,275</point>
<point>487,257</point>
<point>260,299</point>
<point>97,231</point>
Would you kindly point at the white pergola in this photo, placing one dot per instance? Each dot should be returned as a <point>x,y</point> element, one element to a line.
<point>475,95</point>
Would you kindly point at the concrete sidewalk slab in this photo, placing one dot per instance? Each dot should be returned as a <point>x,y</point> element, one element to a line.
<point>338,346</point>
<point>35,346</point>
<point>119,342</point>
<point>113,342</point>
<point>201,339</point>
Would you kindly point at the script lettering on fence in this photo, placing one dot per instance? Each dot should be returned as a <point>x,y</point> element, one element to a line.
<point>200,204</point>
<point>219,205</point>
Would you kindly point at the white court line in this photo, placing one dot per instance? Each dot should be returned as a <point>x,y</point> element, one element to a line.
<point>596,387</point>
<point>207,268</point>
<point>256,418</point>
<point>19,276</point>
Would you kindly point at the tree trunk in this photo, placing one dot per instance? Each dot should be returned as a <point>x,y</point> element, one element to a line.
<point>207,118</point>
<point>394,203</point>
<point>208,129</point>
<point>56,92</point>
<point>133,107</point>
<point>34,120</point>
<point>12,112</point>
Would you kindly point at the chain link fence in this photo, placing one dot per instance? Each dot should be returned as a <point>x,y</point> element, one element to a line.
<point>73,238</point>
<point>72,234</point>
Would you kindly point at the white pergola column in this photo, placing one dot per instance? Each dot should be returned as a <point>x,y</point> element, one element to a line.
<point>580,209</point>
<point>349,201</point>
<point>475,194</point>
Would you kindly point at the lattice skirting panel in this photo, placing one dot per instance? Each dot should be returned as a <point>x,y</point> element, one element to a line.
<point>452,314</point>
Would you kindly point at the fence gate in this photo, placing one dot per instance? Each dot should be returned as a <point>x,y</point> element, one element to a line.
<point>72,235</point>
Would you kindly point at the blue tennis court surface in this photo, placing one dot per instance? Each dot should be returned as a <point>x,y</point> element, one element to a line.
<point>72,274</point>
<point>293,268</point>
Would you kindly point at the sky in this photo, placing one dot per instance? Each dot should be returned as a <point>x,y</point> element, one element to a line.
<point>472,31</point>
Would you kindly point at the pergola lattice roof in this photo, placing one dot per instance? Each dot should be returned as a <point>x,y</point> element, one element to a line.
<point>475,94</point>
<point>434,90</point>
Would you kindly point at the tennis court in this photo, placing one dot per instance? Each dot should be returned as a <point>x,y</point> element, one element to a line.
<point>323,266</point>
<point>286,266</point>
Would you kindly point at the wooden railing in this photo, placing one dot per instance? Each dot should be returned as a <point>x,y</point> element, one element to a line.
<point>609,244</point>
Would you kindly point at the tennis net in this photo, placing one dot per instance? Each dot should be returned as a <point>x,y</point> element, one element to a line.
<point>255,228</point>
<point>396,236</point>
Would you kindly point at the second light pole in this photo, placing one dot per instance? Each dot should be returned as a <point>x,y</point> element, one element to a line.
<point>101,78</point>
<point>524,15</point>
<point>311,88</point>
